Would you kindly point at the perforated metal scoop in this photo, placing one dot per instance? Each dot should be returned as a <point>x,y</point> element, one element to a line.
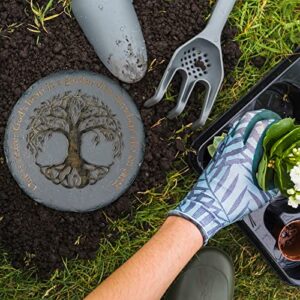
<point>198,60</point>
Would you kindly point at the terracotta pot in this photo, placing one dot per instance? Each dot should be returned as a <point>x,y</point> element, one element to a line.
<point>289,241</point>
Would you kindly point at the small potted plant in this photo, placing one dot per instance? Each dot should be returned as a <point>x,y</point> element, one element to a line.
<point>280,164</point>
<point>280,168</point>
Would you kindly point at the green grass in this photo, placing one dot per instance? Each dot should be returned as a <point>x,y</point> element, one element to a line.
<point>267,27</point>
<point>5,31</point>
<point>43,14</point>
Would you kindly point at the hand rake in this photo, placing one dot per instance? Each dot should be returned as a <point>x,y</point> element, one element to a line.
<point>198,60</point>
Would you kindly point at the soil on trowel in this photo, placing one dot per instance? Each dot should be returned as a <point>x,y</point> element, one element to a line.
<point>200,64</point>
<point>36,236</point>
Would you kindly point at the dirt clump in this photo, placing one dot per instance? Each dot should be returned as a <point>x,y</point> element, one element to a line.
<point>200,64</point>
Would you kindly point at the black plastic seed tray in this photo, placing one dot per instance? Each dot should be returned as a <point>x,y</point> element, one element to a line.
<point>279,91</point>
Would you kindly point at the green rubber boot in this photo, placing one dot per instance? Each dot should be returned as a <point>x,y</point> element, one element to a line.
<point>208,276</point>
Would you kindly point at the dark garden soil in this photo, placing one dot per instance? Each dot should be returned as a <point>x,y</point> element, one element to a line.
<point>289,241</point>
<point>36,236</point>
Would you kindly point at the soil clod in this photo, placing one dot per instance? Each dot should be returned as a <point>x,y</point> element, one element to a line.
<point>200,64</point>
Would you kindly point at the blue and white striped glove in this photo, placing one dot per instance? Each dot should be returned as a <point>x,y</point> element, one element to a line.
<point>227,191</point>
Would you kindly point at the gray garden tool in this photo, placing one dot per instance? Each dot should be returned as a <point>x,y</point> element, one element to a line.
<point>198,60</point>
<point>112,27</point>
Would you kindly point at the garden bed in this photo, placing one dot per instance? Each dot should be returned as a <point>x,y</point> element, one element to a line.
<point>39,237</point>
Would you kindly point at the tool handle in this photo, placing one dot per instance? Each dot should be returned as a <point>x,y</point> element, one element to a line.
<point>218,20</point>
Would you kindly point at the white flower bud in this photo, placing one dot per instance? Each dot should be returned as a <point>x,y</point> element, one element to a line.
<point>291,192</point>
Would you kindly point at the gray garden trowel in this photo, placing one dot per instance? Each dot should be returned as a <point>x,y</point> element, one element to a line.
<point>112,27</point>
<point>198,60</point>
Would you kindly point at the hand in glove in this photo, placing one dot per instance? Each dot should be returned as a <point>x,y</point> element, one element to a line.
<point>227,190</point>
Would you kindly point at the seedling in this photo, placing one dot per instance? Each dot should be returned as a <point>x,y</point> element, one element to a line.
<point>40,16</point>
<point>4,31</point>
<point>67,7</point>
<point>43,14</point>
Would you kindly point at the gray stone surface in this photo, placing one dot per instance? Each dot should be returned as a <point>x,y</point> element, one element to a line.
<point>75,141</point>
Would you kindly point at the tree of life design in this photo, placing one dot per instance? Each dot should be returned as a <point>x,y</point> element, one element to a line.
<point>73,115</point>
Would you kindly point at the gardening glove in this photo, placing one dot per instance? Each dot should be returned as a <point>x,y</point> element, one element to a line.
<point>227,190</point>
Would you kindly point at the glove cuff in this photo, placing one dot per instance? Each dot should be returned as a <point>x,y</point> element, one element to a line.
<point>190,219</point>
<point>206,222</point>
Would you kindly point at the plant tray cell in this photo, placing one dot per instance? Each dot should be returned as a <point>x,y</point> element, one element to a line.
<point>279,91</point>
<point>74,141</point>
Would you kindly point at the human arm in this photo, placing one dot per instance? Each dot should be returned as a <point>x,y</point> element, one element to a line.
<point>148,273</point>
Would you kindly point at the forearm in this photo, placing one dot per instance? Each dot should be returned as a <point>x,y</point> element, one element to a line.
<point>149,273</point>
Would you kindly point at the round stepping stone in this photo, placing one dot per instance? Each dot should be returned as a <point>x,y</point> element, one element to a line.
<point>75,141</point>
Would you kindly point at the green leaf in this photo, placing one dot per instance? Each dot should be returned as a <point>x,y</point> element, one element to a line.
<point>282,177</point>
<point>285,142</point>
<point>216,142</point>
<point>262,170</point>
<point>265,175</point>
<point>211,150</point>
<point>289,166</point>
<point>48,6</point>
<point>290,149</point>
<point>276,131</point>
